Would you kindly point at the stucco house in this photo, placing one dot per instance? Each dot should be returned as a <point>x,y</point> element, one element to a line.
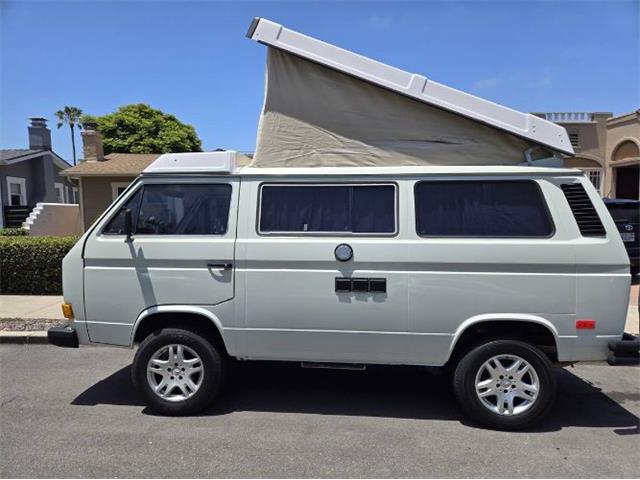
<point>623,156</point>
<point>31,176</point>
<point>607,149</point>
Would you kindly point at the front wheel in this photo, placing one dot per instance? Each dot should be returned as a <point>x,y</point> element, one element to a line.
<point>505,384</point>
<point>177,372</point>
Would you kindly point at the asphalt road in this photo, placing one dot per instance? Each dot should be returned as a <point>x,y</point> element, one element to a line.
<point>73,413</point>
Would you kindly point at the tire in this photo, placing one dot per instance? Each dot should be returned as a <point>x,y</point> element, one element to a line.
<point>522,405</point>
<point>187,351</point>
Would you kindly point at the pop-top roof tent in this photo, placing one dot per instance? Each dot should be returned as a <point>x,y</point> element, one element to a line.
<point>325,106</point>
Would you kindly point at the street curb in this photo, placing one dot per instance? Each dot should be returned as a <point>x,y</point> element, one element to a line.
<point>24,337</point>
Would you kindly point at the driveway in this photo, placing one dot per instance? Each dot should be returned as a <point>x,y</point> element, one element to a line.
<point>73,413</point>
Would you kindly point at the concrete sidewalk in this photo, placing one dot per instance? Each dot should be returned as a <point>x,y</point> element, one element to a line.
<point>31,306</point>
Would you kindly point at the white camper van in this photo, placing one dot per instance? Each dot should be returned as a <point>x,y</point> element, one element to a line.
<point>427,255</point>
<point>496,272</point>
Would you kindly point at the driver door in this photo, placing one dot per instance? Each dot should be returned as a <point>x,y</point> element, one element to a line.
<point>181,252</point>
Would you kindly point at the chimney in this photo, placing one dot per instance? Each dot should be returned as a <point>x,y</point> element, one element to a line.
<point>39,134</point>
<point>92,143</point>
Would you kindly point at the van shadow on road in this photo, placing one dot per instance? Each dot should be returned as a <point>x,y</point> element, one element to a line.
<point>392,392</point>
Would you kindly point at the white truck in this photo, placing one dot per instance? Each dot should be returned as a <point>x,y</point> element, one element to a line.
<point>497,273</point>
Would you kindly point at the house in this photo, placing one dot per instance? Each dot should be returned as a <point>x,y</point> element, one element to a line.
<point>102,178</point>
<point>607,149</point>
<point>31,176</point>
<point>623,156</point>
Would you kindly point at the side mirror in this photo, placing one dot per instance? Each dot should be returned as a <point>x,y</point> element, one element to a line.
<point>128,223</point>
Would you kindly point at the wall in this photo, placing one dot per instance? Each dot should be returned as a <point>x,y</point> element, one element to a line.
<point>56,219</point>
<point>40,174</point>
<point>22,170</point>
<point>580,162</point>
<point>619,129</point>
<point>96,196</point>
<point>592,137</point>
<point>590,152</point>
<point>68,183</point>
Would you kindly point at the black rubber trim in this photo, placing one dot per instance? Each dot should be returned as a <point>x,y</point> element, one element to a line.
<point>359,284</point>
<point>63,337</point>
<point>625,351</point>
<point>253,26</point>
<point>615,360</point>
<point>343,284</point>
<point>628,344</point>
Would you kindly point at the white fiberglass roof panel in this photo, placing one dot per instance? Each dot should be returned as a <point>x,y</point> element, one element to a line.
<point>197,162</point>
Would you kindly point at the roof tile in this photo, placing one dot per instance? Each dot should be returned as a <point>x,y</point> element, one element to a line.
<point>114,164</point>
<point>12,153</point>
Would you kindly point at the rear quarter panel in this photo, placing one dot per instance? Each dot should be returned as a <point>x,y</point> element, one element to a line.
<point>603,284</point>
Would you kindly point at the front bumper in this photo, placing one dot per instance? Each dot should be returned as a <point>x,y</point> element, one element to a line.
<point>625,351</point>
<point>63,337</point>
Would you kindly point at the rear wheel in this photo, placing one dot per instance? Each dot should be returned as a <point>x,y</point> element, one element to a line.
<point>505,384</point>
<point>178,372</point>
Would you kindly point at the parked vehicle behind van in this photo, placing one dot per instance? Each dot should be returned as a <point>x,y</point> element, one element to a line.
<point>497,274</point>
<point>626,215</point>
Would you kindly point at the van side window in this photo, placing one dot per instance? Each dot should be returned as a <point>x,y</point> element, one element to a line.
<point>195,209</point>
<point>481,209</point>
<point>347,209</point>
<point>116,225</point>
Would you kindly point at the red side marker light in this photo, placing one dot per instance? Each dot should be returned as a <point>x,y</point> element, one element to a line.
<point>585,324</point>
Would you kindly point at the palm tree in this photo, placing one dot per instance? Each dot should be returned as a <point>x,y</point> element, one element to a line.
<point>70,116</point>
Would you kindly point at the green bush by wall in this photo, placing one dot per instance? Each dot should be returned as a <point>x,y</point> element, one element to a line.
<point>13,232</point>
<point>32,265</point>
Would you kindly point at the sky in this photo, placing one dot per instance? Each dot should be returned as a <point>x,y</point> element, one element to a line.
<point>192,59</point>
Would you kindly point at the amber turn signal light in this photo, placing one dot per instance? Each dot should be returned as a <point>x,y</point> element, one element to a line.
<point>67,310</point>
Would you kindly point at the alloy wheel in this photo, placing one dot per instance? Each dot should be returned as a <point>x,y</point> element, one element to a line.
<point>175,372</point>
<point>507,385</point>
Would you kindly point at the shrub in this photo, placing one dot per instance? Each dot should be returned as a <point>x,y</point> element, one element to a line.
<point>33,265</point>
<point>13,232</point>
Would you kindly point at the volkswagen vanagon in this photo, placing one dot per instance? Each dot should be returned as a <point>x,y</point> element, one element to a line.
<point>496,273</point>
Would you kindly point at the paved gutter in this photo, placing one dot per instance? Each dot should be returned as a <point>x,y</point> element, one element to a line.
<point>24,337</point>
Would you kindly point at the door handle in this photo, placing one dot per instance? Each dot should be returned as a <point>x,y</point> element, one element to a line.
<point>221,266</point>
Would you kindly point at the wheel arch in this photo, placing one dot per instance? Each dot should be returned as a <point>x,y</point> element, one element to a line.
<point>513,326</point>
<point>199,318</point>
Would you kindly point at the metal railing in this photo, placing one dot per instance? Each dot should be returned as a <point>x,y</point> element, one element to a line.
<point>569,117</point>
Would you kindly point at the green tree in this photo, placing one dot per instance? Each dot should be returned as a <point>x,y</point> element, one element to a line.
<point>70,116</point>
<point>138,128</point>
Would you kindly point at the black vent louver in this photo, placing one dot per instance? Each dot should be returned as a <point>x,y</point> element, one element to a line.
<point>583,210</point>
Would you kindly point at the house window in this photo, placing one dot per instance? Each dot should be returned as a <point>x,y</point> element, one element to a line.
<point>59,188</point>
<point>595,175</point>
<point>16,191</point>
<point>75,194</point>
<point>488,208</point>
<point>117,188</point>
<point>574,138</point>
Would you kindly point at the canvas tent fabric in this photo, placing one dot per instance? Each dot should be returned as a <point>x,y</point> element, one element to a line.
<point>316,116</point>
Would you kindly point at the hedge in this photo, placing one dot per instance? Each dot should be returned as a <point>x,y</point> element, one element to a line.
<point>32,265</point>
<point>13,232</point>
